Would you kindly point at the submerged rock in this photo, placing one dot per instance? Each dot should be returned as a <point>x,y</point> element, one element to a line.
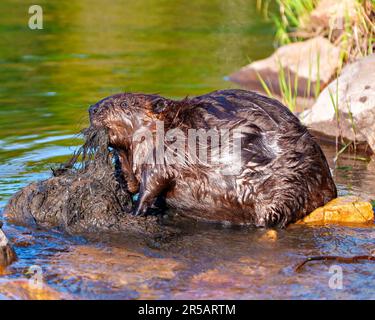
<point>7,254</point>
<point>21,289</point>
<point>346,108</point>
<point>126,273</point>
<point>310,61</point>
<point>349,209</point>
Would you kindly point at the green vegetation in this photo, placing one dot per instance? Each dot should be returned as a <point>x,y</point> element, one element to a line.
<point>358,37</point>
<point>292,23</point>
<point>288,88</point>
<point>289,85</point>
<point>291,17</point>
<point>335,104</point>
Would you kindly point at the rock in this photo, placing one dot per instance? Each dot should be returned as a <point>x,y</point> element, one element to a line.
<point>20,289</point>
<point>297,59</point>
<point>331,14</point>
<point>269,236</point>
<point>348,209</point>
<point>7,254</point>
<point>355,104</point>
<point>125,273</point>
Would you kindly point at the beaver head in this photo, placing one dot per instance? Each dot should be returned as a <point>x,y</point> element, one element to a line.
<point>122,115</point>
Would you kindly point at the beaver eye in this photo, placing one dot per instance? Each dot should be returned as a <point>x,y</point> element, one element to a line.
<point>125,108</point>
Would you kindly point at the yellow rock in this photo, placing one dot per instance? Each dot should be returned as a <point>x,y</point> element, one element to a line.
<point>20,289</point>
<point>348,209</point>
<point>269,236</point>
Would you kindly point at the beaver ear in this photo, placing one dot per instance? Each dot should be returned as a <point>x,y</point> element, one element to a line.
<point>159,105</point>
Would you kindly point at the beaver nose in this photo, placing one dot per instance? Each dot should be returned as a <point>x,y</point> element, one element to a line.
<point>94,115</point>
<point>93,109</point>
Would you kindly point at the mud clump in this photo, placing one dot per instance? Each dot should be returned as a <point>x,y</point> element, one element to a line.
<point>88,194</point>
<point>7,254</point>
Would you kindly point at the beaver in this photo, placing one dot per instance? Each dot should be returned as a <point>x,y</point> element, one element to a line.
<point>280,175</point>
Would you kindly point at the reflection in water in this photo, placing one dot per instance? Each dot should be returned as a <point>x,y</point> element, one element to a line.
<point>88,51</point>
<point>354,174</point>
<point>207,262</point>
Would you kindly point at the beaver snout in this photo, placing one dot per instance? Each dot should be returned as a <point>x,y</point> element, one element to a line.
<point>95,120</point>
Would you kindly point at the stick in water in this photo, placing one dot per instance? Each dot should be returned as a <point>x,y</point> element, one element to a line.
<point>354,259</point>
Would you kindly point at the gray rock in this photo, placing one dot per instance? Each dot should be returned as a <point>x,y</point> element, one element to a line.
<point>300,59</point>
<point>331,14</point>
<point>355,102</point>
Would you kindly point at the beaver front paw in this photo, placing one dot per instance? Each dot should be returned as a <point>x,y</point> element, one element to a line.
<point>143,210</point>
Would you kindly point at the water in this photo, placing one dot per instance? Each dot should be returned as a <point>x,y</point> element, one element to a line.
<point>89,50</point>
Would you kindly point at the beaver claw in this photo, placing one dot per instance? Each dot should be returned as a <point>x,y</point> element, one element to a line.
<point>140,211</point>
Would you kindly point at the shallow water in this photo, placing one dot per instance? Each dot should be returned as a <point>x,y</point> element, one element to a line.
<point>88,51</point>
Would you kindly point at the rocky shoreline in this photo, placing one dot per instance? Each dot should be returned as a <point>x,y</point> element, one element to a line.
<point>335,72</point>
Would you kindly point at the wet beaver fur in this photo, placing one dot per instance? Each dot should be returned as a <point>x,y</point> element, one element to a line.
<point>283,172</point>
